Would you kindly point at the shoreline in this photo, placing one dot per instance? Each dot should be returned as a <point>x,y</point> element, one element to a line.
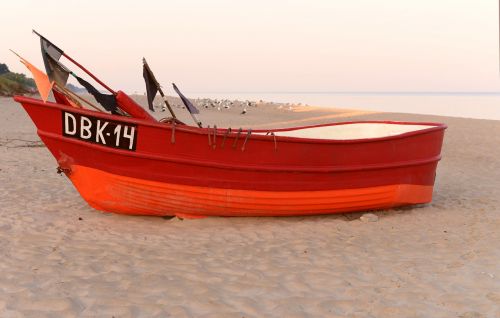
<point>464,106</point>
<point>240,104</point>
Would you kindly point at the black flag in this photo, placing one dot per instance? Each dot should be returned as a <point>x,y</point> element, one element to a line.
<point>51,55</point>
<point>59,73</point>
<point>192,109</point>
<point>107,101</point>
<point>151,84</point>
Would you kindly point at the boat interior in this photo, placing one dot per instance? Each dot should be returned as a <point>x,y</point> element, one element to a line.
<point>352,131</point>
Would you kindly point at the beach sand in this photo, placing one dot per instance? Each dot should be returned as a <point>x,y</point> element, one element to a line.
<point>61,258</point>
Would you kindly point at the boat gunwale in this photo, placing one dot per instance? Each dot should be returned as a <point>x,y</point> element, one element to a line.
<point>247,167</point>
<point>220,131</point>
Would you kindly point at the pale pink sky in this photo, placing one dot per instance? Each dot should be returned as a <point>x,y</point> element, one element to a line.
<point>234,46</point>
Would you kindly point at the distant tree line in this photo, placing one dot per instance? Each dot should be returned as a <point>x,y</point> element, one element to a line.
<point>14,83</point>
<point>3,69</point>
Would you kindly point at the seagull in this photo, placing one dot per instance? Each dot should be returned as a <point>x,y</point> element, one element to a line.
<point>244,111</point>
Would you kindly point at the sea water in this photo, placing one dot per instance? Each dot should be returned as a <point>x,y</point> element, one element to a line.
<point>469,105</point>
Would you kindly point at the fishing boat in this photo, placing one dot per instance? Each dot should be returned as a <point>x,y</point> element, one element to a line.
<point>122,160</point>
<point>138,166</point>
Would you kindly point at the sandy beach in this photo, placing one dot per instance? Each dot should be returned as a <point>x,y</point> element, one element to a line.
<point>61,258</point>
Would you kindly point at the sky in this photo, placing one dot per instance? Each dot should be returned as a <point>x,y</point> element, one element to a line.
<point>267,46</point>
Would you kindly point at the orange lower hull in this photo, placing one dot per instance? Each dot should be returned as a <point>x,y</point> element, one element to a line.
<point>120,194</point>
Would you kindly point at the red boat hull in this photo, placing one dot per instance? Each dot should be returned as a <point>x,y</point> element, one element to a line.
<point>191,172</point>
<point>110,192</point>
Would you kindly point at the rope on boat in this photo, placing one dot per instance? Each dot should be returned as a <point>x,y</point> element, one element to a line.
<point>172,138</point>
<point>215,137</point>
<point>209,137</point>
<point>225,136</point>
<point>212,140</point>
<point>274,137</point>
<point>237,137</point>
<point>246,139</point>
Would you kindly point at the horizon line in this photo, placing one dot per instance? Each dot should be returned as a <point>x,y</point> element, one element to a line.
<point>354,92</point>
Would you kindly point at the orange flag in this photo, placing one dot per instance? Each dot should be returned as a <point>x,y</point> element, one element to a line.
<point>43,84</point>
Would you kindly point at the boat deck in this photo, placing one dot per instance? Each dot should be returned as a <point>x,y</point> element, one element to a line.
<point>352,131</point>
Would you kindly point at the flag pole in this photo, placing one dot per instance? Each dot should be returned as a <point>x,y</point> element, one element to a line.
<point>77,64</point>
<point>19,56</point>
<point>198,122</point>
<point>159,87</point>
<point>69,92</point>
<point>90,74</point>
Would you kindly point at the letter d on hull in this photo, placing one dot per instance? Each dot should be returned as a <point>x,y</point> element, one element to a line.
<point>69,124</point>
